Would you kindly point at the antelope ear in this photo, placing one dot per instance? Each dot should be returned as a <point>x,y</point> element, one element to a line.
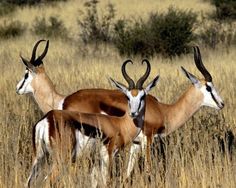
<point>152,84</point>
<point>28,64</point>
<point>119,85</point>
<point>191,77</point>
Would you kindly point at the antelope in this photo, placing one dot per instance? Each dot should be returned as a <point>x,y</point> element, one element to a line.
<point>170,117</point>
<point>37,82</point>
<point>62,130</point>
<point>160,118</point>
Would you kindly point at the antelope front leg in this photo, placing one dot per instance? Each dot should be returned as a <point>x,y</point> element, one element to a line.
<point>104,163</point>
<point>138,144</point>
<point>95,175</point>
<point>38,162</point>
<point>104,167</point>
<point>134,151</point>
<point>148,155</point>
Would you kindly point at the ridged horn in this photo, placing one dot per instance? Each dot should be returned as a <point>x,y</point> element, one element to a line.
<point>126,76</point>
<point>141,80</point>
<point>200,65</point>
<point>40,58</point>
<point>34,51</point>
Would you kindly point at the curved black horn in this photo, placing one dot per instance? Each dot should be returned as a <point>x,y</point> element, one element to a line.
<point>200,65</point>
<point>34,51</point>
<point>126,76</point>
<point>40,58</point>
<point>141,80</point>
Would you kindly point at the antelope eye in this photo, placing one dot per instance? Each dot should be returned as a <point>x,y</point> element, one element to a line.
<point>208,88</point>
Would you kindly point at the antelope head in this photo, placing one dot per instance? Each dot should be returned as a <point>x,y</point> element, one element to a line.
<point>136,93</point>
<point>210,96</point>
<point>33,66</point>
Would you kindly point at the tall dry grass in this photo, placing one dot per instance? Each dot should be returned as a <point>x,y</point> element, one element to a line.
<point>193,157</point>
<point>190,150</point>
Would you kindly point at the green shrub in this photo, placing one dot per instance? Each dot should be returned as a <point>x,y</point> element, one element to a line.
<point>94,29</point>
<point>11,29</point>
<point>168,34</point>
<point>132,40</point>
<point>225,9</point>
<point>53,27</point>
<point>171,33</point>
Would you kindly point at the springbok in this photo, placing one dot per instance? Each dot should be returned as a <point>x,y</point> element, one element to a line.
<point>37,82</point>
<point>170,117</point>
<point>60,131</point>
<point>160,118</point>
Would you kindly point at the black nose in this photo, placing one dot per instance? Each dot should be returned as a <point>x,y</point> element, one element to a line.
<point>133,114</point>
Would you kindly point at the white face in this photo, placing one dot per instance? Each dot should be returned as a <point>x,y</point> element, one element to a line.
<point>211,97</point>
<point>136,98</point>
<point>24,85</point>
<point>136,103</point>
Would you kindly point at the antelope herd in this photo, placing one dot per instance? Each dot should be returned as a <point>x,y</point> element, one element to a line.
<point>115,117</point>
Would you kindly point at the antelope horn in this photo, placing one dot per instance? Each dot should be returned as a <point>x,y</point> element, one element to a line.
<point>200,65</point>
<point>141,80</point>
<point>34,51</point>
<point>126,76</point>
<point>40,58</point>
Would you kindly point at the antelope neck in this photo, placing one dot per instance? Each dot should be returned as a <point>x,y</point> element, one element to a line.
<point>177,114</point>
<point>139,120</point>
<point>45,94</point>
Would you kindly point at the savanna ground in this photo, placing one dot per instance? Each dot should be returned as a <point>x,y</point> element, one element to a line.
<point>193,157</point>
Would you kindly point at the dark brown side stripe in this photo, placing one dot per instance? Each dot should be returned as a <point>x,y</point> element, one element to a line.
<point>89,130</point>
<point>111,110</point>
<point>160,130</point>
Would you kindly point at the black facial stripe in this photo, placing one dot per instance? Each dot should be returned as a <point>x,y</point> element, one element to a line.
<point>208,88</point>
<point>141,99</point>
<point>139,105</point>
<point>26,76</point>
<point>22,84</point>
<point>213,97</point>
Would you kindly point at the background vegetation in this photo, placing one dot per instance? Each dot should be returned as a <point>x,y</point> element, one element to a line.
<point>170,33</point>
<point>75,61</point>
